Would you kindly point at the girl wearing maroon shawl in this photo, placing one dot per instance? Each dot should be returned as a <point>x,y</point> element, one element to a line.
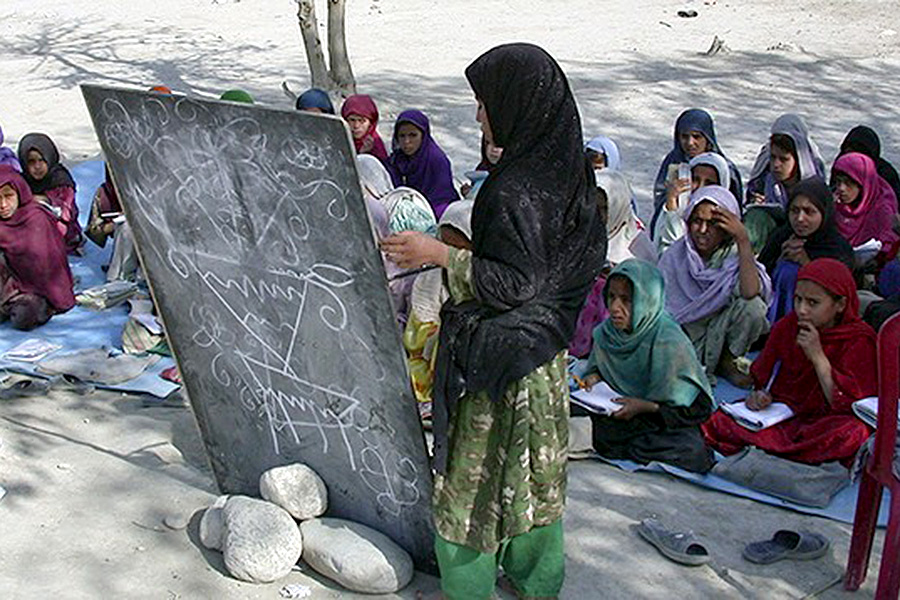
<point>361,115</point>
<point>866,204</point>
<point>822,356</point>
<point>52,185</point>
<point>35,281</point>
<point>418,162</point>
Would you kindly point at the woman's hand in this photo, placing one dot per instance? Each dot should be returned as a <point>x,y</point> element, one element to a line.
<point>588,382</point>
<point>757,198</point>
<point>673,190</point>
<point>793,249</point>
<point>758,400</point>
<point>412,249</point>
<point>731,224</point>
<point>809,341</point>
<point>632,407</point>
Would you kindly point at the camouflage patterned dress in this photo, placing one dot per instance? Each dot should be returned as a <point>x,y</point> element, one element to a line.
<point>506,470</point>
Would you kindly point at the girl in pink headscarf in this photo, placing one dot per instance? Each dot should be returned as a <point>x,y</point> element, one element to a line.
<point>865,203</point>
<point>361,115</point>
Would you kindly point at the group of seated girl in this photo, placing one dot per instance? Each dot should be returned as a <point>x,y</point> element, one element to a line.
<point>726,275</point>
<point>38,229</point>
<point>416,160</point>
<point>818,360</point>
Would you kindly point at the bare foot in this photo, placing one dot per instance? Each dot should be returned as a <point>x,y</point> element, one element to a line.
<point>728,369</point>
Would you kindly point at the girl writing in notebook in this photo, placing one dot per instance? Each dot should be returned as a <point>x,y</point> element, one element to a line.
<point>644,356</point>
<point>827,357</point>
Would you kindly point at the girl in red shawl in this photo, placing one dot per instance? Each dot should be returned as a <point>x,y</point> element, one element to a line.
<point>827,361</point>
<point>52,185</point>
<point>361,115</point>
<point>35,281</point>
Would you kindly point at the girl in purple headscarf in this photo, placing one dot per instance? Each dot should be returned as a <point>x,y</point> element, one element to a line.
<point>418,162</point>
<point>715,288</point>
<point>8,156</point>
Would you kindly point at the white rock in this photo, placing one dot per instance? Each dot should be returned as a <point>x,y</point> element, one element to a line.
<point>262,541</point>
<point>355,556</point>
<point>295,488</point>
<point>212,527</point>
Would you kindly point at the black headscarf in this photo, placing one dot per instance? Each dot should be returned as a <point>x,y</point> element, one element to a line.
<point>538,239</point>
<point>864,140</point>
<point>57,175</point>
<point>824,242</point>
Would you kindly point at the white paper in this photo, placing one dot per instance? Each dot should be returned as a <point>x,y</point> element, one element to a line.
<point>872,245</point>
<point>149,321</point>
<point>31,350</point>
<point>867,410</point>
<point>756,420</point>
<point>598,399</point>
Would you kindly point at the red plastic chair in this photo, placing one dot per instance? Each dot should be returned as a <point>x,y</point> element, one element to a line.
<point>877,475</point>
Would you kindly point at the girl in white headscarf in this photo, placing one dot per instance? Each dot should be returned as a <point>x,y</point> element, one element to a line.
<point>420,338</point>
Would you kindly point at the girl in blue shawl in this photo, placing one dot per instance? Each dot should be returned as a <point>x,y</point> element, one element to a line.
<point>417,161</point>
<point>695,134</point>
<point>644,355</point>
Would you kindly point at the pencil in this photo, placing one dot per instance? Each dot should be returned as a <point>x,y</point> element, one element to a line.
<point>403,274</point>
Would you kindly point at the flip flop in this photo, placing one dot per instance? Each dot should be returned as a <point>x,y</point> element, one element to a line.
<point>24,388</point>
<point>71,383</point>
<point>795,545</point>
<point>681,547</point>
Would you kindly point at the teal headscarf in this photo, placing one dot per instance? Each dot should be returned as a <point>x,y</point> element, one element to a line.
<point>655,361</point>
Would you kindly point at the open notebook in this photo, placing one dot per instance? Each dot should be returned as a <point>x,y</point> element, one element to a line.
<point>598,399</point>
<point>867,410</point>
<point>756,420</point>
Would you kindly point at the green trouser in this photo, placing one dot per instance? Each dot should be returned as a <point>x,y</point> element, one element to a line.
<point>534,562</point>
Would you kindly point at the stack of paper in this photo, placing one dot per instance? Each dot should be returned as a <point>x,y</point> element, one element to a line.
<point>756,420</point>
<point>598,399</point>
<point>31,350</point>
<point>107,295</point>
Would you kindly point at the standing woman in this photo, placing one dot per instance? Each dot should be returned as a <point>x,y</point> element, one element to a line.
<point>501,396</point>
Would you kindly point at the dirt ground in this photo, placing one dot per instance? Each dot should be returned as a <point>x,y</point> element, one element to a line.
<point>92,482</point>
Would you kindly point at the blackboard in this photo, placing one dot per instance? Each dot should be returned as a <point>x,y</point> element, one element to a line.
<point>254,235</point>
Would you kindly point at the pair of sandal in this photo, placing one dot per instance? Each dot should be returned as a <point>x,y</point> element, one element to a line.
<point>28,387</point>
<point>684,548</point>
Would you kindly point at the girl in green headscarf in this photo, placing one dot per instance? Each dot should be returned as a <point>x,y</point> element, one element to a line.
<point>644,355</point>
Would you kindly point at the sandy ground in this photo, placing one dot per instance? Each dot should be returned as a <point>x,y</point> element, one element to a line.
<point>90,479</point>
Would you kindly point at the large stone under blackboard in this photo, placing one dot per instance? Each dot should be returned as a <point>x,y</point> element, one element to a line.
<point>253,233</point>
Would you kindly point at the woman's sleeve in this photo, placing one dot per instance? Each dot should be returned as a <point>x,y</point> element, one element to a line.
<point>762,367</point>
<point>507,282</point>
<point>459,275</point>
<point>669,228</point>
<point>855,374</point>
<point>448,175</point>
<point>63,198</point>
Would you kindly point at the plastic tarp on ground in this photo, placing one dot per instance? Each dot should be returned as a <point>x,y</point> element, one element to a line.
<point>82,328</point>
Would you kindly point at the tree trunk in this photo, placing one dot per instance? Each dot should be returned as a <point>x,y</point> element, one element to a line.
<point>341,73</point>
<point>306,15</point>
